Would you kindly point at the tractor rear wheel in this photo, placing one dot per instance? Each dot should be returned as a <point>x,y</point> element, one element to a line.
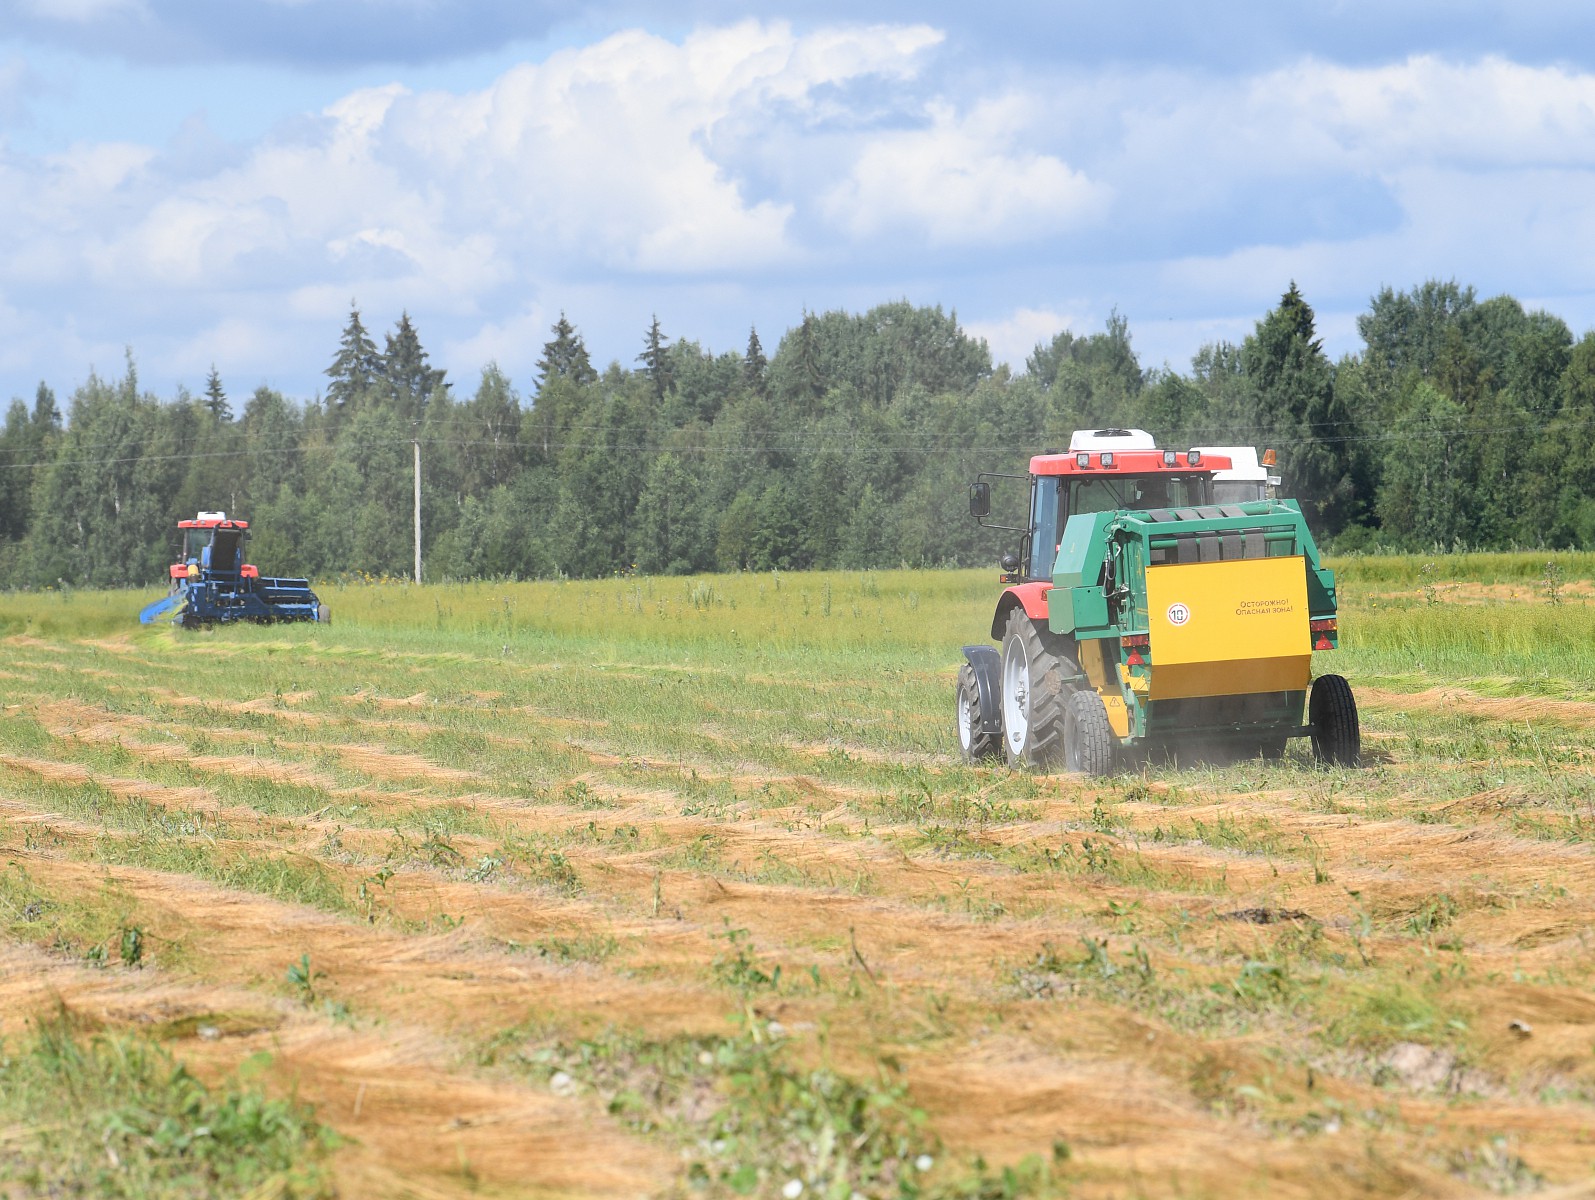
<point>1087,736</point>
<point>1332,712</point>
<point>974,743</point>
<point>1035,662</point>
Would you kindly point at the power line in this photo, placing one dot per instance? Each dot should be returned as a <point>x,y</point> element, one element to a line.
<point>804,446</point>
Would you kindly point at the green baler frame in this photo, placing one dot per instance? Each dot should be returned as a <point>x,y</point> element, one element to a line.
<point>1099,592</point>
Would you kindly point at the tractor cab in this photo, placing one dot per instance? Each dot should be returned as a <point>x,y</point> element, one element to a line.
<point>213,546</point>
<point>1104,470</point>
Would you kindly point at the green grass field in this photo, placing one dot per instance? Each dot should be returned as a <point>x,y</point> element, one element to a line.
<point>659,886</point>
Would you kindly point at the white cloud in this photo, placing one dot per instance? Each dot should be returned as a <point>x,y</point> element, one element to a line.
<point>81,12</point>
<point>1429,110</point>
<point>517,339</point>
<point>964,180</point>
<point>1014,337</point>
<point>752,169</point>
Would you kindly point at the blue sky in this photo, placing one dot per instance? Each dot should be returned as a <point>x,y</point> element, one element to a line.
<point>214,183</point>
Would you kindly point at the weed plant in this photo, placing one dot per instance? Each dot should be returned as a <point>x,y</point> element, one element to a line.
<point>101,1114</point>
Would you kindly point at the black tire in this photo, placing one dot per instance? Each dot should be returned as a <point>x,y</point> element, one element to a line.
<point>1332,712</point>
<point>974,743</point>
<point>1035,662</point>
<point>1087,737</point>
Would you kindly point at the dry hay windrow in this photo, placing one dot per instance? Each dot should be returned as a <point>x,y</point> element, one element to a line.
<point>1580,713</point>
<point>396,1092</point>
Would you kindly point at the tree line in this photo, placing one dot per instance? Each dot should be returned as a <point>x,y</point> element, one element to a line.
<point>1460,422</point>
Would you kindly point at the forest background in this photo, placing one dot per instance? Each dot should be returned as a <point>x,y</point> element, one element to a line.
<point>1461,423</point>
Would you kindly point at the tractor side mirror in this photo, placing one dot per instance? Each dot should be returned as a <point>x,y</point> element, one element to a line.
<point>980,500</point>
<point>1010,562</point>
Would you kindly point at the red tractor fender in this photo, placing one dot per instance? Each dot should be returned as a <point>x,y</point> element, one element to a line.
<point>1032,597</point>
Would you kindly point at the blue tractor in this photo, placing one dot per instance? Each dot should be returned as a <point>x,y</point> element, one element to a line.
<point>211,583</point>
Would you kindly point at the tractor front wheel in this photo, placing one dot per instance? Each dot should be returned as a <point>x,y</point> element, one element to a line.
<point>1034,665</point>
<point>974,742</point>
<point>1332,712</point>
<point>1087,736</point>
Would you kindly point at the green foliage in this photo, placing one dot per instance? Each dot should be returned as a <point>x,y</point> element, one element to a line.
<point>116,1116</point>
<point>753,1118</point>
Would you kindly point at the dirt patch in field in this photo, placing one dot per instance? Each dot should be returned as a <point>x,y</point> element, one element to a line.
<point>1469,592</point>
<point>415,1124</point>
<point>1495,708</point>
<point>389,764</point>
<point>36,643</point>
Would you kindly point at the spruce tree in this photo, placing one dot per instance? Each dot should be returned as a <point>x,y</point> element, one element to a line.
<point>1298,411</point>
<point>655,358</point>
<point>754,364</point>
<point>46,414</point>
<point>216,398</point>
<point>565,356</point>
<point>355,368</point>
<point>410,378</point>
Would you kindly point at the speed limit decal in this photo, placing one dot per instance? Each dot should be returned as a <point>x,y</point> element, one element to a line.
<point>1178,614</point>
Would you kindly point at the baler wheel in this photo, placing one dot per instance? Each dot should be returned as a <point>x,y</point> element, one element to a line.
<point>1332,712</point>
<point>1034,665</point>
<point>974,743</point>
<point>1087,736</point>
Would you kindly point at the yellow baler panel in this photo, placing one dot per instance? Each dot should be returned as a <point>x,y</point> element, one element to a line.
<point>1229,628</point>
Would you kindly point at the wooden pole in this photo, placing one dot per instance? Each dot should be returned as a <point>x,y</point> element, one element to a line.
<point>417,444</point>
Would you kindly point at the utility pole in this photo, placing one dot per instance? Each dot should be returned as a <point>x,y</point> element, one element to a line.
<point>416,442</point>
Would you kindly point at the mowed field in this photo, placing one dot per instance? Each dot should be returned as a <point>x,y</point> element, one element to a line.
<point>676,886</point>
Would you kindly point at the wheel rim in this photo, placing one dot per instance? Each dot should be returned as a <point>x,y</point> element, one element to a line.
<point>966,717</point>
<point>1016,700</point>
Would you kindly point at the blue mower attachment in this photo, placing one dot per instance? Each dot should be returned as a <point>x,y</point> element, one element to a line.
<point>211,583</point>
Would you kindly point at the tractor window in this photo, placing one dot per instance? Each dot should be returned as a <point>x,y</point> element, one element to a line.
<point>1101,495</point>
<point>1138,492</point>
<point>1238,491</point>
<point>1044,526</point>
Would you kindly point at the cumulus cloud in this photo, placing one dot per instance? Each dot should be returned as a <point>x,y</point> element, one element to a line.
<point>81,11</point>
<point>964,179</point>
<point>1013,336</point>
<point>606,158</point>
<point>826,166</point>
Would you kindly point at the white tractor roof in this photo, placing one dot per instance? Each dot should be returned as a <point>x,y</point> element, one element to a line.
<point>1243,462</point>
<point>1111,439</point>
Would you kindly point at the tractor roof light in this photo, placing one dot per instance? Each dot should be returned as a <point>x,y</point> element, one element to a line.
<point>1107,458</point>
<point>1170,459</point>
<point>1269,460</point>
<point>1193,458</point>
<point>1082,460</point>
